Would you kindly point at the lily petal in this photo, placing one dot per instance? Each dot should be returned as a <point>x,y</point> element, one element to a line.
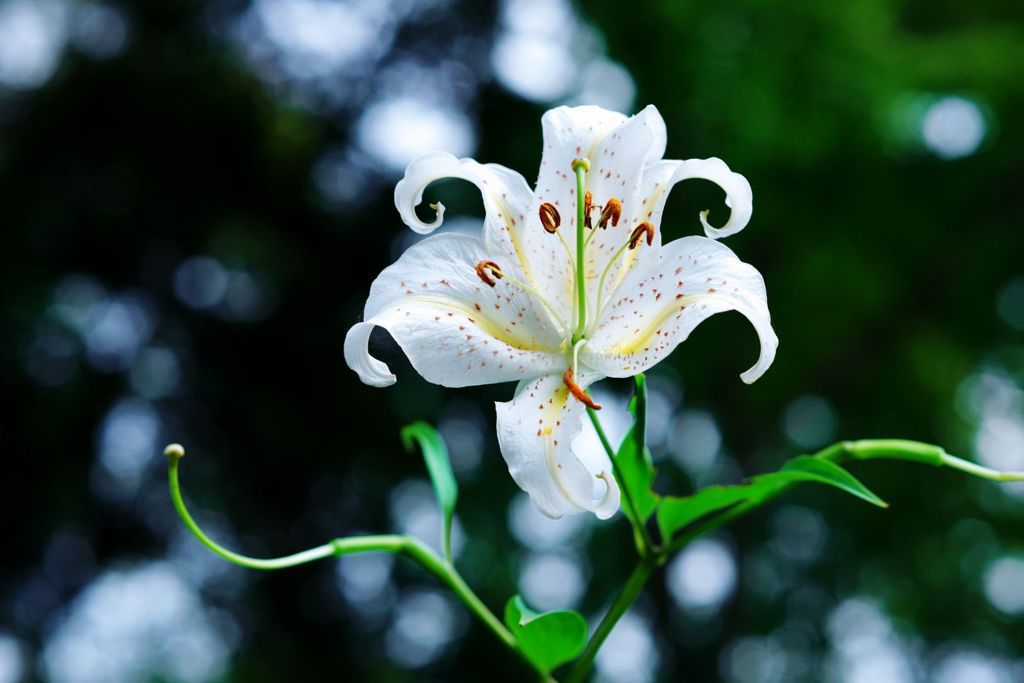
<point>571,133</point>
<point>662,300</point>
<point>512,228</point>
<point>617,172</point>
<point>618,149</point>
<point>659,178</point>
<point>456,330</point>
<point>536,431</point>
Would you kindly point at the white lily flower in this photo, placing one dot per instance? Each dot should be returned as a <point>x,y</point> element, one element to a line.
<point>568,283</point>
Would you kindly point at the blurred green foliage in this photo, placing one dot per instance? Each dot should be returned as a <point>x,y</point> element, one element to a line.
<point>883,263</point>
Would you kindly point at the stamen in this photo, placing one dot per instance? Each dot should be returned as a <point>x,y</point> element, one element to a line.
<point>549,217</point>
<point>632,242</point>
<point>484,270</point>
<point>575,390</point>
<point>644,228</point>
<point>550,220</point>
<point>611,214</point>
<point>588,207</point>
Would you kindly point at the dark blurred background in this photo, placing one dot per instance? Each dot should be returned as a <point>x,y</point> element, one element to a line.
<point>195,197</point>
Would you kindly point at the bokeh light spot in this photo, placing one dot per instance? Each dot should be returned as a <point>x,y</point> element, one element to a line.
<point>809,421</point>
<point>702,576</point>
<point>33,34</point>
<point>396,130</point>
<point>551,581</point>
<point>953,127</point>
<point>1004,585</point>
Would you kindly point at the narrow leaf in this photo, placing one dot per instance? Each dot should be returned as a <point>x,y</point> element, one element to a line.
<point>439,466</point>
<point>677,513</point>
<point>547,639</point>
<point>634,459</point>
<point>807,468</point>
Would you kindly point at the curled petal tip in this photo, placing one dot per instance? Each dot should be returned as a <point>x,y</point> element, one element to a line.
<point>174,450</point>
<point>438,208</point>
<point>609,504</point>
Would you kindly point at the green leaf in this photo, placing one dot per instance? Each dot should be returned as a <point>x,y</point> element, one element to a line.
<point>807,468</point>
<point>547,639</point>
<point>439,466</point>
<point>677,513</point>
<point>634,459</point>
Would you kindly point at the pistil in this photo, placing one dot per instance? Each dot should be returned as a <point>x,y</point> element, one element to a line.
<point>580,168</point>
<point>576,391</point>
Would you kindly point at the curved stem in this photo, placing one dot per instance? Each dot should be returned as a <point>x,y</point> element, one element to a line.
<point>410,547</point>
<point>433,563</point>
<point>643,541</point>
<point>326,550</point>
<point>629,593</point>
<point>912,451</point>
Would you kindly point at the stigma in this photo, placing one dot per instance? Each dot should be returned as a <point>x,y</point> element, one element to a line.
<point>576,391</point>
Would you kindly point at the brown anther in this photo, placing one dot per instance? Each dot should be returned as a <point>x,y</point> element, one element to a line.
<point>575,390</point>
<point>588,205</point>
<point>487,268</point>
<point>640,231</point>
<point>549,217</point>
<point>611,214</point>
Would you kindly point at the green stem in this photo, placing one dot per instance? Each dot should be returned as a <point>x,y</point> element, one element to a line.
<point>866,449</point>
<point>433,563</point>
<point>643,541</point>
<point>629,593</point>
<point>580,168</point>
<point>912,451</point>
<point>410,547</point>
